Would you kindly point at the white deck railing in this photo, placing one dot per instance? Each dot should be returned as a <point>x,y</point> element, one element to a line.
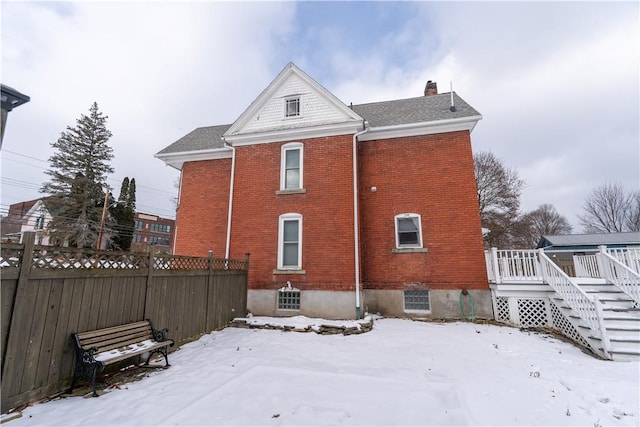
<point>628,256</point>
<point>519,265</point>
<point>587,307</point>
<point>623,277</point>
<point>586,266</point>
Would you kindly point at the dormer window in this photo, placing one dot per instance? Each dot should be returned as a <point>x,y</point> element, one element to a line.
<point>292,106</point>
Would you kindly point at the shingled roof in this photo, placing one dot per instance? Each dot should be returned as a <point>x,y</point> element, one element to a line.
<point>421,109</point>
<point>590,240</point>
<point>204,138</point>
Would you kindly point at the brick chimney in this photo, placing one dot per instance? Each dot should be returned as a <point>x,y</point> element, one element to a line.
<point>431,88</point>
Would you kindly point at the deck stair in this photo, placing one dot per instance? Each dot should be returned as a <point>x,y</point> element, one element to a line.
<point>621,320</point>
<point>599,310</point>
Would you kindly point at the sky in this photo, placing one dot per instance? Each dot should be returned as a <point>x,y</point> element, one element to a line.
<point>401,373</point>
<point>556,82</point>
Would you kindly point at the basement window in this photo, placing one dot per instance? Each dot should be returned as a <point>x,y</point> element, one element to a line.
<point>416,300</point>
<point>288,299</point>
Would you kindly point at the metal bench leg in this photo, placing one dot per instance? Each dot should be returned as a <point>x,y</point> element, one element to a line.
<point>93,381</point>
<point>162,351</point>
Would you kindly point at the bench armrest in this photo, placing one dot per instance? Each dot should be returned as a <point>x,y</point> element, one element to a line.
<point>160,334</point>
<point>87,355</point>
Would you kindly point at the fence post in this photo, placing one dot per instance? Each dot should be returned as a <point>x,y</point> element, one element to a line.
<point>148,297</point>
<point>209,284</point>
<point>543,267</point>
<point>13,359</point>
<point>496,267</point>
<point>602,265</point>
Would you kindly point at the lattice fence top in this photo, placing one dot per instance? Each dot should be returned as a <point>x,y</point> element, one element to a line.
<point>175,262</point>
<point>10,255</point>
<point>78,259</point>
<point>229,264</point>
<point>54,257</point>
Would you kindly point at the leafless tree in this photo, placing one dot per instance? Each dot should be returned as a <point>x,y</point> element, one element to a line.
<point>610,209</point>
<point>633,219</point>
<point>499,190</point>
<point>542,221</point>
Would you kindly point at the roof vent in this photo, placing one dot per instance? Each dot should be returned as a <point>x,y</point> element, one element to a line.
<point>431,88</point>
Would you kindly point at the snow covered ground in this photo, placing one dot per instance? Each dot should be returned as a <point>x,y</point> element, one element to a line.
<point>400,373</point>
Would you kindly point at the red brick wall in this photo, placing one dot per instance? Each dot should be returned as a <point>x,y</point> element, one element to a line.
<point>429,175</point>
<point>432,176</point>
<point>201,219</point>
<point>326,208</point>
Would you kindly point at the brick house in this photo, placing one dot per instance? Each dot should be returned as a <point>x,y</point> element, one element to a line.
<point>152,230</point>
<point>344,209</point>
<point>30,216</point>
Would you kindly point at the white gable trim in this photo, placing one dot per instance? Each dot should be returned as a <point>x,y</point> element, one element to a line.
<point>295,134</point>
<point>274,86</point>
<point>424,128</point>
<point>176,160</point>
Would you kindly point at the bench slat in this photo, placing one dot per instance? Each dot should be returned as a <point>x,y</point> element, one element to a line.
<point>113,329</point>
<point>87,343</point>
<point>123,356</point>
<point>120,342</point>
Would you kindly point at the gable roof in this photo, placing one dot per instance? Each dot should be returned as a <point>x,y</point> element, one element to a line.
<point>326,115</point>
<point>388,119</point>
<point>590,240</point>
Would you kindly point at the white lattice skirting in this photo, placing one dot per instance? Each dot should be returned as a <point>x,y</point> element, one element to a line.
<point>534,312</point>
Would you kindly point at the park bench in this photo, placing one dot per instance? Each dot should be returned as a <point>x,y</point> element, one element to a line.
<point>96,349</point>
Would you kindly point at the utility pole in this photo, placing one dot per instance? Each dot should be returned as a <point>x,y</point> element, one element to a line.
<point>104,214</point>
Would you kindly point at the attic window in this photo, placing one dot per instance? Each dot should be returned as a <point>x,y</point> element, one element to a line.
<point>292,107</point>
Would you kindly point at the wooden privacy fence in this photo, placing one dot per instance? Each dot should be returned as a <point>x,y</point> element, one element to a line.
<point>49,292</point>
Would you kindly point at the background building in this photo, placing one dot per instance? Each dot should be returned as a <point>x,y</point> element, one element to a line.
<point>152,230</point>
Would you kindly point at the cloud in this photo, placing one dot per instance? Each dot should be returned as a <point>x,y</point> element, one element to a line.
<point>556,82</point>
<point>157,70</point>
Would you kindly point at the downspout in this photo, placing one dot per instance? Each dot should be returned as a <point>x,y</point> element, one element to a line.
<point>233,173</point>
<point>175,227</point>
<point>356,226</point>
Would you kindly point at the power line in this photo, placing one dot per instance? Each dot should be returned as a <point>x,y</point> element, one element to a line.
<point>45,161</point>
<point>24,155</point>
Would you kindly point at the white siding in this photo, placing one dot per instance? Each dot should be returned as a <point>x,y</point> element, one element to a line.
<point>315,110</point>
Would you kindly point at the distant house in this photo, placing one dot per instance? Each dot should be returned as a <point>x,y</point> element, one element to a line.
<point>562,248</point>
<point>344,209</point>
<point>33,215</point>
<point>589,242</point>
<point>152,230</point>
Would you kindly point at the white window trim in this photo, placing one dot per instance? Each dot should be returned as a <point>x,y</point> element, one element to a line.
<point>283,166</point>
<point>281,220</point>
<point>284,106</point>
<point>403,216</point>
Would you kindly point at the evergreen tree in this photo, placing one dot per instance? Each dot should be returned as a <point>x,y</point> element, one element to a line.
<point>122,214</point>
<point>78,170</point>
